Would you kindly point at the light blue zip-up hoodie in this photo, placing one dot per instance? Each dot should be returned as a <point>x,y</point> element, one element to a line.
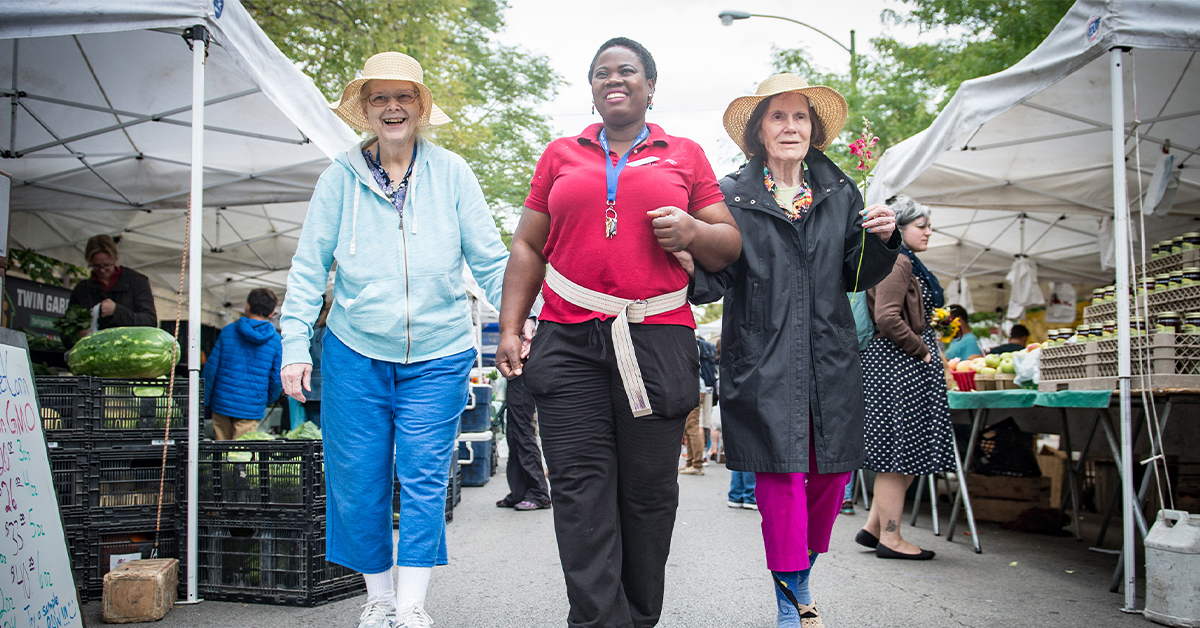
<point>398,294</point>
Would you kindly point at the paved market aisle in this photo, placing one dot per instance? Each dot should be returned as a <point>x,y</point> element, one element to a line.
<point>504,573</point>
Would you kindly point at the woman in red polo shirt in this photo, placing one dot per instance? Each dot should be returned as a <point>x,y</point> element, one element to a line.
<point>613,368</point>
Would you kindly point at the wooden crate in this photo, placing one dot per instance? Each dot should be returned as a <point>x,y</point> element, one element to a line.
<point>1001,498</point>
<point>140,590</point>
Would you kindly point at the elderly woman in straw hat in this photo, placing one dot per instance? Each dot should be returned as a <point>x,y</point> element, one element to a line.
<point>401,217</point>
<point>791,382</point>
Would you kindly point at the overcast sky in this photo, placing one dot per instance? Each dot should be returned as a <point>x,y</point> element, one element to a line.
<point>702,65</point>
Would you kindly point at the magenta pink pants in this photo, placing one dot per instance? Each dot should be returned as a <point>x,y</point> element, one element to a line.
<point>798,511</point>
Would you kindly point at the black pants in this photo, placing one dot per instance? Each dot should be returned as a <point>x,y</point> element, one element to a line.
<point>526,479</point>
<point>613,477</point>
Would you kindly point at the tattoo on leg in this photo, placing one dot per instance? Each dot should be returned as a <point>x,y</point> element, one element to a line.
<point>891,525</point>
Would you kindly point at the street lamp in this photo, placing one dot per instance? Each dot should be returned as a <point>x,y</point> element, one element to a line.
<point>727,18</point>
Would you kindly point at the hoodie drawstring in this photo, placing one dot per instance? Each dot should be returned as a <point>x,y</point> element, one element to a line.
<point>411,201</point>
<point>354,223</point>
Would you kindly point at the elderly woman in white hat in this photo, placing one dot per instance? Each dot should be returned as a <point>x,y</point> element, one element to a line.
<point>791,381</point>
<point>401,217</point>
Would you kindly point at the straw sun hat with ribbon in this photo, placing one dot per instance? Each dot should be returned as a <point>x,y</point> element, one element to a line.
<point>829,105</point>
<point>387,66</point>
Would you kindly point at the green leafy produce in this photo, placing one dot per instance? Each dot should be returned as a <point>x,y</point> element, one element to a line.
<point>257,436</point>
<point>134,352</point>
<point>43,370</point>
<point>76,319</point>
<point>307,431</point>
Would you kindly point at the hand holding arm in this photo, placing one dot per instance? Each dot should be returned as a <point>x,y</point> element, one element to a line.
<point>709,234</point>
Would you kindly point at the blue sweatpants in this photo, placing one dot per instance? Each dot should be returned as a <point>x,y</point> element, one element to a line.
<point>382,417</point>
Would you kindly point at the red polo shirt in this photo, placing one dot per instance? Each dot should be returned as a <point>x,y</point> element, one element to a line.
<point>570,185</point>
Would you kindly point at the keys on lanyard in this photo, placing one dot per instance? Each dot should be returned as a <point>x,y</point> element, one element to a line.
<point>612,174</point>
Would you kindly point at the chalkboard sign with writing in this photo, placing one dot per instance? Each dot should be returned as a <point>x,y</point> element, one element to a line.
<point>36,586</point>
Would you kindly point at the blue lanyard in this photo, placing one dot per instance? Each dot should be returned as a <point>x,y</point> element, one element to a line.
<point>611,172</point>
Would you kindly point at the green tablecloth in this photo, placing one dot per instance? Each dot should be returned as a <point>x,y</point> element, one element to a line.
<point>991,399</point>
<point>1028,398</point>
<point>1074,399</point>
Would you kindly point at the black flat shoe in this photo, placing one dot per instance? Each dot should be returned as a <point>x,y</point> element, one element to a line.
<point>866,539</point>
<point>883,551</point>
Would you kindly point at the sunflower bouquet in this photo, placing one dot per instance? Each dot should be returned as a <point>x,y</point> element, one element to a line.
<point>944,324</point>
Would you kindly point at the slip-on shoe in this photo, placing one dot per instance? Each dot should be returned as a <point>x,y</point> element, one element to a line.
<point>883,551</point>
<point>866,539</point>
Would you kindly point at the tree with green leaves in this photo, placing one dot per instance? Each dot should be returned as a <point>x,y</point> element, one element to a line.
<point>901,88</point>
<point>489,90</point>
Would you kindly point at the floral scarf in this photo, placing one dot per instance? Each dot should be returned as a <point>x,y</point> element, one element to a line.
<point>800,203</point>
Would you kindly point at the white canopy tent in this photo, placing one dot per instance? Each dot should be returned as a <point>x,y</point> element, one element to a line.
<point>98,139</point>
<point>111,118</point>
<point>1018,162</point>
<point>1026,162</point>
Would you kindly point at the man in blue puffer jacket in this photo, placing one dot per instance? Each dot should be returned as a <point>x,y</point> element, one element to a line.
<point>241,376</point>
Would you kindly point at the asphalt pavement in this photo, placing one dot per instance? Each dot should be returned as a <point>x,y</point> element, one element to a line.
<point>504,572</point>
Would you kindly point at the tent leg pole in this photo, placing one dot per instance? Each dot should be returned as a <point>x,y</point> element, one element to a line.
<point>199,37</point>
<point>1121,234</point>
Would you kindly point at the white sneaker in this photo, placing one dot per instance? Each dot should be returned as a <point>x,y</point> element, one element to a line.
<point>734,504</point>
<point>378,612</point>
<point>413,617</point>
<point>750,505</point>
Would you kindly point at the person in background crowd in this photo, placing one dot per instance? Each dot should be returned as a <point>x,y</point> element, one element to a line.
<point>791,391</point>
<point>123,294</point>
<point>614,368</point>
<point>1017,339</point>
<point>908,418</point>
<point>312,403</point>
<point>527,487</point>
<point>848,497</point>
<point>693,432</point>
<point>965,345</point>
<point>241,376</point>
<point>402,218</point>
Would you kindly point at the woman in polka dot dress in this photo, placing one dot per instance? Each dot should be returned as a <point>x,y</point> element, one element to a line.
<point>908,420</point>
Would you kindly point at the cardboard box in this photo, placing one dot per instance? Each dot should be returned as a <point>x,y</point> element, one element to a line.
<point>1053,464</point>
<point>140,590</point>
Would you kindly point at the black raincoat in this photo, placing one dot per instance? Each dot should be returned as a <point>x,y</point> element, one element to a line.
<point>789,350</point>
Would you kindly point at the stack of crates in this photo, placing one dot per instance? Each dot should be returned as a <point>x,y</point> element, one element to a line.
<point>261,531</point>
<point>112,455</point>
<point>477,454</point>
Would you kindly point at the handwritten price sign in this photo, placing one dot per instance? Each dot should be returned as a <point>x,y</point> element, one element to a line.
<point>36,586</point>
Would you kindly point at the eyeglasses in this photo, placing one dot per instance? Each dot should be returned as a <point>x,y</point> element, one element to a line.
<point>102,266</point>
<point>403,98</point>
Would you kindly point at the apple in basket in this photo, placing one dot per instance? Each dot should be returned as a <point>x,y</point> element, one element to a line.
<point>991,360</point>
<point>963,366</point>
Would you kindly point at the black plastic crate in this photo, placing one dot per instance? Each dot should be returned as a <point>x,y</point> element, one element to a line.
<point>106,546</point>
<point>138,409</point>
<point>70,472</point>
<point>124,484</point>
<point>77,553</point>
<point>67,408</point>
<point>270,562</point>
<point>276,479</point>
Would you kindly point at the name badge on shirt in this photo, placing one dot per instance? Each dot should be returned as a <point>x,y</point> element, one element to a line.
<point>643,161</point>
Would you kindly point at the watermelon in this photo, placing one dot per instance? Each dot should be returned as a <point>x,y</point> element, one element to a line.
<point>127,352</point>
